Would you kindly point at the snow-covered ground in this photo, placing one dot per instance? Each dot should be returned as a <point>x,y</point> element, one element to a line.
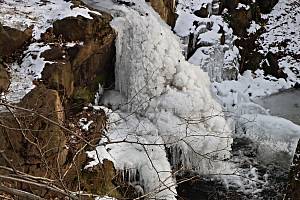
<point>41,14</point>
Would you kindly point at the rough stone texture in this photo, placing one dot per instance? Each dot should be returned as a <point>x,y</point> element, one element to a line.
<point>4,79</point>
<point>43,148</point>
<point>59,76</point>
<point>240,21</point>
<point>293,190</point>
<point>93,62</point>
<point>166,9</point>
<point>12,39</point>
<point>24,147</point>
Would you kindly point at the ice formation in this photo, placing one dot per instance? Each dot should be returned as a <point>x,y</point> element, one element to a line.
<point>168,103</point>
<point>210,39</point>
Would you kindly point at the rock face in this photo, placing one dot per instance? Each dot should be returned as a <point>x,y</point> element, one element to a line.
<point>293,190</point>
<point>240,15</point>
<point>166,9</point>
<point>41,138</point>
<point>12,39</point>
<point>24,146</point>
<point>79,69</point>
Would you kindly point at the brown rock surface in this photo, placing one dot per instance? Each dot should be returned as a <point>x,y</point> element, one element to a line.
<point>12,39</point>
<point>4,79</point>
<point>30,141</point>
<point>166,9</point>
<point>91,62</point>
<point>59,76</point>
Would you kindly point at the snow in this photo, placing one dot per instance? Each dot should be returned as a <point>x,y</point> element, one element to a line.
<point>30,69</point>
<point>105,198</point>
<point>283,25</point>
<point>240,6</point>
<point>84,124</point>
<point>248,87</point>
<point>167,101</point>
<point>254,27</point>
<point>41,14</point>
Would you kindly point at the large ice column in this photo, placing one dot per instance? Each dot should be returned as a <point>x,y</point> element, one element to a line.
<point>168,102</point>
<point>160,85</point>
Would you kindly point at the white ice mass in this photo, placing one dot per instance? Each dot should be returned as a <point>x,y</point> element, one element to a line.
<point>168,101</point>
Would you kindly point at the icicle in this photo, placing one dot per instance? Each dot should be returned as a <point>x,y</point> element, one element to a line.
<point>99,95</point>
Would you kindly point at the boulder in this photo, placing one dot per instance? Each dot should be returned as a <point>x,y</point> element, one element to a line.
<point>82,29</point>
<point>202,12</point>
<point>92,62</point>
<point>30,141</point>
<point>12,39</point>
<point>240,21</point>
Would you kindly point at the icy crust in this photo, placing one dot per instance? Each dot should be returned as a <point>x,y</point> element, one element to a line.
<point>167,101</point>
<point>41,14</point>
<point>23,75</point>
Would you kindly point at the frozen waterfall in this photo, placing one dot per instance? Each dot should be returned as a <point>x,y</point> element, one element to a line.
<point>166,102</point>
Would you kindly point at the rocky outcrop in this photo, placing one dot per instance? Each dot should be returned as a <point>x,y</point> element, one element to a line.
<point>42,138</point>
<point>293,190</point>
<point>240,14</point>
<point>166,9</point>
<point>39,140</point>
<point>78,69</point>
<point>12,39</point>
